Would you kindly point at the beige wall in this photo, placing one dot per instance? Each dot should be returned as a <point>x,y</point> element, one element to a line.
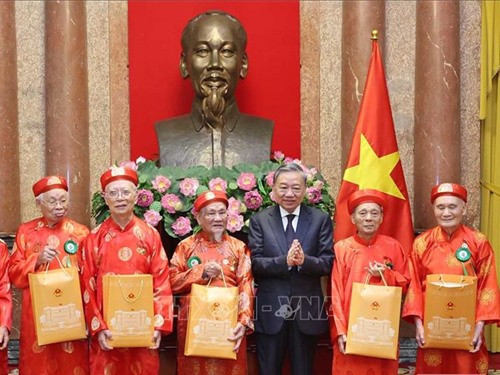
<point>321,26</point>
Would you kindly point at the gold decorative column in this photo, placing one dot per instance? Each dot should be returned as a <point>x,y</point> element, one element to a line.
<point>437,102</point>
<point>359,18</point>
<point>66,93</point>
<point>10,207</point>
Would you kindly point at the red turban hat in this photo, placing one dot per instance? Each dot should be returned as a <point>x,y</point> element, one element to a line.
<point>118,173</point>
<point>49,183</point>
<point>449,189</point>
<point>208,197</point>
<point>365,196</point>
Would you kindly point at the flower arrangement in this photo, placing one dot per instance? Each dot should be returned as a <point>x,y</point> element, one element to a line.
<point>167,193</point>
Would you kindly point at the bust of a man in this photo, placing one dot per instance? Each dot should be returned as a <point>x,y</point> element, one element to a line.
<point>215,133</point>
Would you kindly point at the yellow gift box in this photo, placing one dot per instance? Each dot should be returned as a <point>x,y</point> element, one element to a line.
<point>374,318</point>
<point>56,301</point>
<point>128,309</point>
<point>213,313</point>
<point>450,311</point>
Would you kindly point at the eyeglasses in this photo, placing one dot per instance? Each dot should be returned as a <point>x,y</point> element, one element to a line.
<point>113,194</point>
<point>54,203</point>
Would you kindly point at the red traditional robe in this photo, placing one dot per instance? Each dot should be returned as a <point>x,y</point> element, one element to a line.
<point>352,257</point>
<point>5,302</point>
<point>136,249</point>
<point>61,358</point>
<point>434,253</point>
<point>234,258</point>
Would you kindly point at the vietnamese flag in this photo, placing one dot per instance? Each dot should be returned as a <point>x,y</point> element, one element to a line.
<point>374,161</point>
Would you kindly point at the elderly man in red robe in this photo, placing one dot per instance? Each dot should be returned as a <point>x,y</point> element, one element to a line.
<point>48,241</point>
<point>205,256</point>
<point>5,307</point>
<point>365,253</point>
<point>124,245</point>
<point>452,248</point>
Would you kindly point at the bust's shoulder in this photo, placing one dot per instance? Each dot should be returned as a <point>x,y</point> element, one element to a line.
<point>249,120</point>
<point>173,122</point>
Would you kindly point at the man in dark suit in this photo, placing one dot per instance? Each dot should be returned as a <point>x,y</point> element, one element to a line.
<point>292,248</point>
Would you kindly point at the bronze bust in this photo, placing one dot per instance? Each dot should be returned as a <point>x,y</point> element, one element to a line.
<point>215,133</point>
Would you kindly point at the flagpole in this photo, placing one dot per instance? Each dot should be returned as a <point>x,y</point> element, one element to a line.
<point>374,34</point>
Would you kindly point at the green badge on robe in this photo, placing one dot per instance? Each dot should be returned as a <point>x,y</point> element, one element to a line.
<point>193,261</point>
<point>71,247</point>
<point>463,253</point>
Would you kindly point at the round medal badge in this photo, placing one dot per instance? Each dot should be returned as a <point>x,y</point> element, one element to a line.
<point>70,247</point>
<point>463,254</point>
<point>193,261</point>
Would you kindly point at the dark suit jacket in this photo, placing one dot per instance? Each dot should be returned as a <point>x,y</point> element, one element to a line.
<point>280,291</point>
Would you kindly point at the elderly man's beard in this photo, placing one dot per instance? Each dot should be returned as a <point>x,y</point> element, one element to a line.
<point>218,236</point>
<point>214,105</point>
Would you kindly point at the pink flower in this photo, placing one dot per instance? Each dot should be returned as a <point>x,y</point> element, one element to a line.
<point>152,217</point>
<point>144,198</point>
<point>218,184</point>
<point>182,226</point>
<point>171,203</point>
<point>161,183</point>
<point>246,181</point>
<point>311,173</point>
<point>233,206</point>
<point>270,178</point>
<point>253,199</point>
<point>234,223</point>
<point>313,195</point>
<point>288,159</point>
<point>188,186</point>
<point>130,164</point>
<point>278,155</point>
<point>318,184</point>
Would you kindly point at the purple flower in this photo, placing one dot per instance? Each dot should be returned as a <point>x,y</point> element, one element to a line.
<point>152,217</point>
<point>253,199</point>
<point>313,195</point>
<point>144,198</point>
<point>246,181</point>
<point>188,186</point>
<point>234,223</point>
<point>270,178</point>
<point>171,203</point>
<point>218,184</point>
<point>161,184</point>
<point>181,226</point>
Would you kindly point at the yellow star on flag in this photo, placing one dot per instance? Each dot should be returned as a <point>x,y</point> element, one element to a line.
<point>374,172</point>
